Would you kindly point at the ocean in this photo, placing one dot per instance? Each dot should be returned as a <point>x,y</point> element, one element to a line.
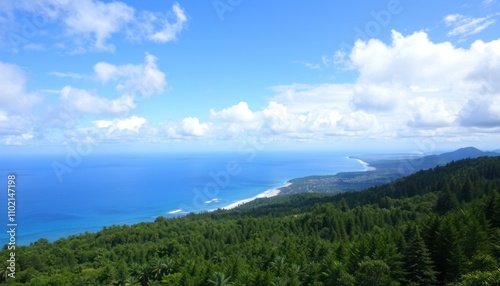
<point>105,190</point>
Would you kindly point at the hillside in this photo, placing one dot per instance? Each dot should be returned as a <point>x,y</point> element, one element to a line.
<point>434,227</point>
<point>386,170</point>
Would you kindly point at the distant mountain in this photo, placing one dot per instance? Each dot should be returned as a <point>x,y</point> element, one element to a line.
<point>409,166</point>
<point>386,170</point>
<point>463,153</point>
<point>497,151</point>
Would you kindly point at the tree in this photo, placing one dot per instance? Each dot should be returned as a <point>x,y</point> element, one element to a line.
<point>219,279</point>
<point>481,279</point>
<point>467,193</point>
<point>158,268</point>
<point>447,201</point>
<point>336,274</point>
<point>278,265</point>
<point>372,273</point>
<point>417,262</point>
<point>279,281</point>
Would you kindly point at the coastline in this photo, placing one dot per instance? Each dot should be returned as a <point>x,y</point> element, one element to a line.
<point>267,194</point>
<point>364,164</point>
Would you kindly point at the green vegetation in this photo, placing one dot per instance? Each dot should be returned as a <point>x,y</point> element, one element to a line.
<point>435,227</point>
<point>386,171</point>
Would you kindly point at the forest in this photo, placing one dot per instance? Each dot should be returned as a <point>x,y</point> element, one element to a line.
<point>436,227</point>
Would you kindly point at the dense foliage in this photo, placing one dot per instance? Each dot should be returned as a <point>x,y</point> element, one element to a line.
<point>440,226</point>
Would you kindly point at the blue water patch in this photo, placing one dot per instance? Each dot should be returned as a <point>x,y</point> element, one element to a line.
<point>105,190</point>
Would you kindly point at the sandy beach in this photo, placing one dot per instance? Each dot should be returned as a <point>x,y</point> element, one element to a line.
<point>366,165</point>
<point>267,194</point>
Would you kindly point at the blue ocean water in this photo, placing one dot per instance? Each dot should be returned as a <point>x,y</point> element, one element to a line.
<point>105,190</point>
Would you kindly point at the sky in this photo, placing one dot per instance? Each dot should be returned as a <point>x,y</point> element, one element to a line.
<point>216,74</point>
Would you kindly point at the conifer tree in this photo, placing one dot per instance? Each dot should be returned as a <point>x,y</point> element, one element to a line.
<point>417,262</point>
<point>447,200</point>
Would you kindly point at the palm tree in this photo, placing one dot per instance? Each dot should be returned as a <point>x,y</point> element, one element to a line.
<point>219,279</point>
<point>279,281</point>
<point>218,257</point>
<point>83,281</point>
<point>5,274</point>
<point>134,269</point>
<point>158,268</point>
<point>294,271</point>
<point>170,266</point>
<point>278,264</point>
<point>131,281</point>
<point>142,274</point>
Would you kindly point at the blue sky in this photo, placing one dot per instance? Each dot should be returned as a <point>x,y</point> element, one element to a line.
<point>186,75</point>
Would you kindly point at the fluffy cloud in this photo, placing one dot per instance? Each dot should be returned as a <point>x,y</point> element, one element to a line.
<point>133,123</point>
<point>429,81</point>
<point>432,112</point>
<point>80,100</point>
<point>95,21</point>
<point>144,79</point>
<point>14,96</point>
<point>235,113</point>
<point>91,24</point>
<point>131,81</point>
<point>15,130</point>
<point>189,127</point>
<point>411,60</point>
<point>192,127</point>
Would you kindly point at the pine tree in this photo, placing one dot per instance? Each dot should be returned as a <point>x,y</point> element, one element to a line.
<point>468,191</point>
<point>447,201</point>
<point>417,262</point>
<point>449,257</point>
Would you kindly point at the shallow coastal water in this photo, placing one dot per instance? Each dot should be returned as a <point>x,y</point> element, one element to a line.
<point>105,190</point>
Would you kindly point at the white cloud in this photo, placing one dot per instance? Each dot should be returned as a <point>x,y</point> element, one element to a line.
<point>159,27</point>
<point>132,129</point>
<point>71,75</point>
<point>13,95</point>
<point>410,60</point>
<point>432,112</point>
<point>466,26</point>
<point>303,98</point>
<point>133,123</point>
<point>191,126</point>
<point>90,25</point>
<point>15,130</point>
<point>80,100</point>
<point>188,128</point>
<point>235,113</point>
<point>145,79</point>
<point>96,21</point>
<point>359,121</point>
<point>378,97</point>
<point>310,65</point>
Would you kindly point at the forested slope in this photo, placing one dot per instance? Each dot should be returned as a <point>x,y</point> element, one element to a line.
<point>439,226</point>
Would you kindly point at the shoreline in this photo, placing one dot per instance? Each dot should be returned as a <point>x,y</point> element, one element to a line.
<point>267,194</point>
<point>364,164</point>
